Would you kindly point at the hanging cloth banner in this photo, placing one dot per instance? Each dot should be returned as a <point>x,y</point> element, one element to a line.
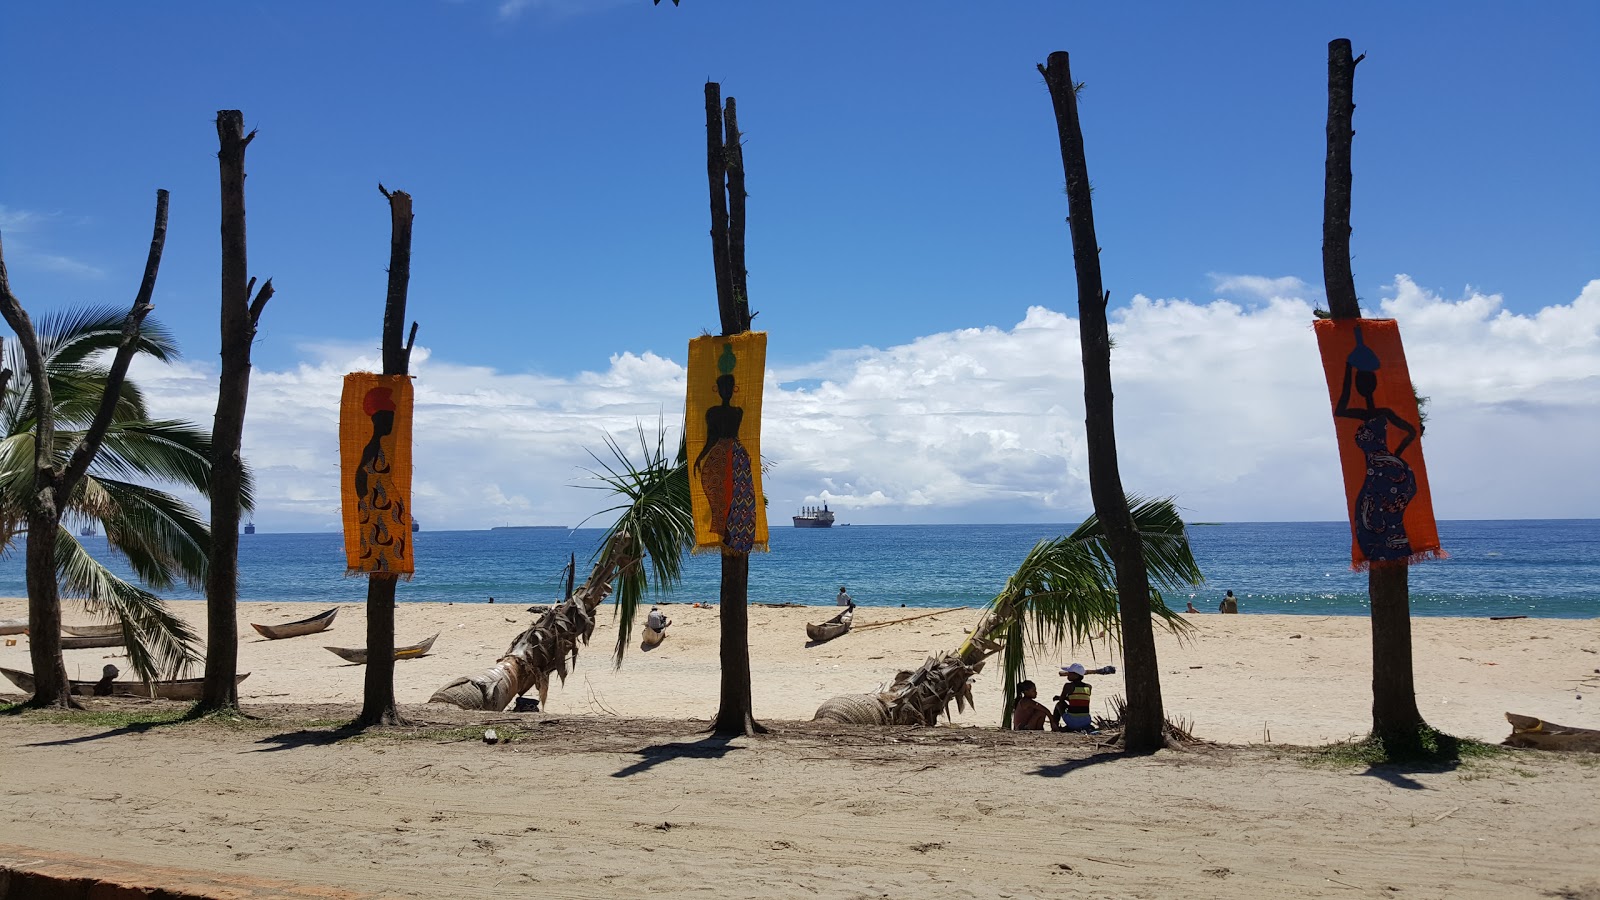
<point>375,473</point>
<point>722,425</point>
<point>1380,447</point>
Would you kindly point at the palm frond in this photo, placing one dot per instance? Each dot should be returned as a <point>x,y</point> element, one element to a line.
<point>1065,590</point>
<point>158,643</point>
<point>165,450</point>
<point>655,514</point>
<point>162,537</point>
<point>71,335</point>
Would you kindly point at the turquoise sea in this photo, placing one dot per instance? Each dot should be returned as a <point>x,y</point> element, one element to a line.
<point>1544,568</point>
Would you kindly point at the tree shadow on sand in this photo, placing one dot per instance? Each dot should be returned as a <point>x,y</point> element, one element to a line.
<point>307,737</point>
<point>1399,774</point>
<point>1062,769</point>
<point>120,731</point>
<point>712,747</point>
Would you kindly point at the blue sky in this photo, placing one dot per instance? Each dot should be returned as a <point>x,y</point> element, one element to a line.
<point>904,177</point>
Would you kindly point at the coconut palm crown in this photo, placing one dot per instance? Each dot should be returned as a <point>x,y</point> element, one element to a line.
<point>161,537</point>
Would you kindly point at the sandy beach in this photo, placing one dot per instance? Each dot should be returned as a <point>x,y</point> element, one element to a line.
<point>616,789</point>
<point>1240,679</point>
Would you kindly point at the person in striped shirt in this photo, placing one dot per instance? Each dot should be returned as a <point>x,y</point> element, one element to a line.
<point>1072,705</point>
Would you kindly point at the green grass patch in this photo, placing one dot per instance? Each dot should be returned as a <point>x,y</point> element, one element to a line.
<point>1430,746</point>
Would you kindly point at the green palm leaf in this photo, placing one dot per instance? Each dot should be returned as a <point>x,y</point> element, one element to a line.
<point>655,515</point>
<point>158,643</point>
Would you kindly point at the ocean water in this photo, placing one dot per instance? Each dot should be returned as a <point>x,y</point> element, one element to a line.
<point>1543,568</point>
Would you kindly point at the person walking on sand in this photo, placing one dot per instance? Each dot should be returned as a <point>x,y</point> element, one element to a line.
<point>1072,705</point>
<point>843,599</point>
<point>1229,604</point>
<point>1029,714</point>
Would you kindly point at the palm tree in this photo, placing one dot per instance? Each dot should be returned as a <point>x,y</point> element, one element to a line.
<point>654,523</point>
<point>162,538</point>
<point>1065,591</point>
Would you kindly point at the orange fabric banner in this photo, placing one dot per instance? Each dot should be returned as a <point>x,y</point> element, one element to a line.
<point>1380,442</point>
<point>722,432</point>
<point>375,473</point>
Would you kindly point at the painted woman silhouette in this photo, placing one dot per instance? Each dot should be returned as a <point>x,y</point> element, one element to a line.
<point>381,517</point>
<point>724,466</point>
<point>1390,484</point>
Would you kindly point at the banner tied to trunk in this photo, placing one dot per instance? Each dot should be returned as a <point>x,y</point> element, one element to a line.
<point>1380,447</point>
<point>375,471</point>
<point>722,425</point>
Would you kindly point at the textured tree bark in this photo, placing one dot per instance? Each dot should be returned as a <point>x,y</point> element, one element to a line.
<point>53,486</point>
<point>238,323</point>
<point>725,171</point>
<point>1145,717</point>
<point>377,703</point>
<point>1395,718</point>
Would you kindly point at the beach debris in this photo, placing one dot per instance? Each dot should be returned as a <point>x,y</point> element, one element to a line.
<point>1294,636</point>
<point>490,736</point>
<point>1537,734</point>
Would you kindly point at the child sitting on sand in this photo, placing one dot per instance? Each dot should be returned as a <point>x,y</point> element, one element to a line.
<point>1072,705</point>
<point>1029,714</point>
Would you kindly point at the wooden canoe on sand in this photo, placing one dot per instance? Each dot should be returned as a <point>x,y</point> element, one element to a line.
<point>70,642</point>
<point>175,689</point>
<point>319,622</point>
<point>1526,731</point>
<point>92,630</point>
<point>832,628</point>
<point>13,626</point>
<point>359,656</point>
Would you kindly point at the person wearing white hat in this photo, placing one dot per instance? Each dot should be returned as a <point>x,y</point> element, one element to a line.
<point>1072,704</point>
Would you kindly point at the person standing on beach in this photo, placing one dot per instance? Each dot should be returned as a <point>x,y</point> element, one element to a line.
<point>1229,604</point>
<point>843,599</point>
<point>1072,705</point>
<point>1029,714</point>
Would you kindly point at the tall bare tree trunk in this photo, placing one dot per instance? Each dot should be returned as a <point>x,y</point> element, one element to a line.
<point>53,486</point>
<point>238,321</point>
<point>1145,717</point>
<point>725,174</point>
<point>1395,717</point>
<point>378,705</point>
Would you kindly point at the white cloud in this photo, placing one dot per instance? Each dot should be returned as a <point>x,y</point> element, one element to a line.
<point>1221,404</point>
<point>21,255</point>
<point>554,9</point>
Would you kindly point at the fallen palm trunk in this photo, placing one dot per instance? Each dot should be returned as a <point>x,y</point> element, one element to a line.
<point>913,698</point>
<point>1526,731</point>
<point>549,646</point>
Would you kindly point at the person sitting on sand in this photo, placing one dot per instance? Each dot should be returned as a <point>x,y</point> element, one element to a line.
<point>657,620</point>
<point>1072,704</point>
<point>843,599</point>
<point>1190,608</point>
<point>1229,604</point>
<point>102,688</point>
<point>1029,714</point>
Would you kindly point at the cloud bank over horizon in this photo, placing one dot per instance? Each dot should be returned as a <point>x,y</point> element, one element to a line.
<point>1219,404</point>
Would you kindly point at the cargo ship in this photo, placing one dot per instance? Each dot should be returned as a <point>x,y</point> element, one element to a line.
<point>812,517</point>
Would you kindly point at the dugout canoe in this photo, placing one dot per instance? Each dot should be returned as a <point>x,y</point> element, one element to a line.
<point>91,630</point>
<point>1527,731</point>
<point>359,655</point>
<point>71,642</point>
<point>13,626</point>
<point>832,628</point>
<point>319,622</point>
<point>172,689</point>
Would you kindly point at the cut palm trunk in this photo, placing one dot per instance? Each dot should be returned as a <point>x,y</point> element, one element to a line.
<point>549,646</point>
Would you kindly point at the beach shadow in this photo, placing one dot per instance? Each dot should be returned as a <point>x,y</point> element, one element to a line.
<point>1063,769</point>
<point>1399,775</point>
<point>712,747</point>
<point>122,731</point>
<point>307,737</point>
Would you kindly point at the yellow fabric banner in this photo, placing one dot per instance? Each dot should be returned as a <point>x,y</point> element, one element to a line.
<point>375,473</point>
<point>722,425</point>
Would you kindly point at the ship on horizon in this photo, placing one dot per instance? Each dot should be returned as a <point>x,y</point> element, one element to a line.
<point>813,517</point>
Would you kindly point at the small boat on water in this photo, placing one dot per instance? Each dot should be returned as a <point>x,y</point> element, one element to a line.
<point>92,630</point>
<point>319,622</point>
<point>359,656</point>
<point>13,626</point>
<point>812,517</point>
<point>832,628</point>
<point>250,527</point>
<point>174,689</point>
